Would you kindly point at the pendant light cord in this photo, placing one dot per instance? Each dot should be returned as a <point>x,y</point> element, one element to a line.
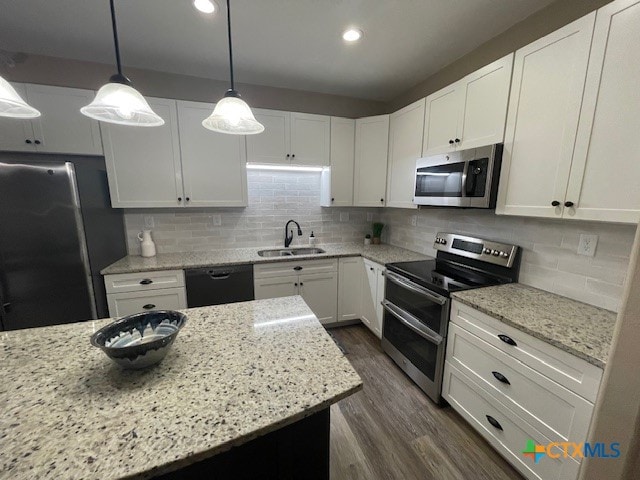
<point>115,37</point>
<point>230,48</point>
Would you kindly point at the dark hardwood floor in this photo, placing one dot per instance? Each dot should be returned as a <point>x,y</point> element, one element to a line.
<point>392,430</point>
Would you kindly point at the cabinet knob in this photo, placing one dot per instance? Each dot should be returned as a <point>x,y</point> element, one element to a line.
<point>568,204</point>
<point>555,203</point>
<point>457,140</point>
<point>27,141</point>
<point>301,284</point>
<point>149,306</point>
<point>288,155</point>
<point>451,142</point>
<point>297,269</point>
<point>333,199</point>
<point>37,142</point>
<point>382,199</point>
<point>371,268</point>
<point>295,284</point>
<point>179,199</point>
<point>494,423</point>
<point>293,155</point>
<point>187,199</point>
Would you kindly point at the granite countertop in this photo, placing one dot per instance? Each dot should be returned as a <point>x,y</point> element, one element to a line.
<point>235,372</point>
<point>575,327</point>
<point>382,254</point>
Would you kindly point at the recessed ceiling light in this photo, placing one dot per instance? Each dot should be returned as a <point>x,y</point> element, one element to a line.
<point>352,35</point>
<point>205,6</point>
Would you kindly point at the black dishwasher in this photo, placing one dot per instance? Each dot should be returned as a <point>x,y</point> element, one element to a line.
<point>217,285</point>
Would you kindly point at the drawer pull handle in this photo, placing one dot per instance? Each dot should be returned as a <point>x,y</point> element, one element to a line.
<point>149,306</point>
<point>508,340</point>
<point>146,281</point>
<point>297,269</point>
<point>494,423</point>
<point>501,378</point>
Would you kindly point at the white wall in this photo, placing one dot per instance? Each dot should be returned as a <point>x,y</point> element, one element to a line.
<point>274,198</point>
<point>549,260</point>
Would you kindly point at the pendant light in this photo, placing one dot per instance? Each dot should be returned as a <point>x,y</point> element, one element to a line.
<point>232,115</point>
<point>12,105</point>
<point>117,101</point>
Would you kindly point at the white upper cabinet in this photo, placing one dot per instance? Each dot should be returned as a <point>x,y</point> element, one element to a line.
<point>604,183</point>
<point>143,164</point>
<point>310,139</point>
<point>60,129</point>
<point>441,119</point>
<point>405,147</point>
<point>544,108</point>
<point>469,113</point>
<point>290,138</point>
<point>272,145</point>
<point>214,170</point>
<point>337,181</point>
<point>370,175</point>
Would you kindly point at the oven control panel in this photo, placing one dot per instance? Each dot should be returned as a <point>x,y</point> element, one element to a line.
<point>488,251</point>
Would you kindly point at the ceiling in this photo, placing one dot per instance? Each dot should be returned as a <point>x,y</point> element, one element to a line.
<point>282,43</point>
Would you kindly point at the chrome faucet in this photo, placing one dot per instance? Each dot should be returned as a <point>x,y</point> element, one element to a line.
<point>289,238</point>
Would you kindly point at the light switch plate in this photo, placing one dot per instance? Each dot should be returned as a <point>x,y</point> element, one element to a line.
<point>215,220</point>
<point>587,245</point>
<point>148,221</point>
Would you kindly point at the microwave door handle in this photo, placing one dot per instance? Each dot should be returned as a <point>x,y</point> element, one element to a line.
<point>398,280</point>
<point>465,173</point>
<point>412,324</point>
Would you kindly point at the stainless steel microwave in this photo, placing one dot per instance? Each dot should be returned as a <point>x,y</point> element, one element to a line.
<point>466,178</point>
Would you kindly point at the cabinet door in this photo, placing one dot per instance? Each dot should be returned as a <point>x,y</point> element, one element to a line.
<point>486,95</point>
<point>372,143</point>
<point>143,164</point>
<point>320,291</point>
<point>546,93</point>
<point>380,279</point>
<point>62,128</point>
<point>605,173</point>
<point>17,135</point>
<point>214,169</point>
<point>276,287</point>
<point>369,295</point>
<point>337,182</point>
<point>349,288</point>
<point>442,114</point>
<point>405,147</point>
<point>310,139</point>
<point>128,303</point>
<point>272,145</point>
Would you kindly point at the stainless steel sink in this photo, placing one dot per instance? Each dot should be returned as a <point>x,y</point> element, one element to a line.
<point>290,252</point>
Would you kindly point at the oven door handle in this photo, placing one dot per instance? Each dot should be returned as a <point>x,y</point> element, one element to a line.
<point>412,323</point>
<point>414,287</point>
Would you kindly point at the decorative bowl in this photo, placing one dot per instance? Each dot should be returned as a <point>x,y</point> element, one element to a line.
<point>140,340</point>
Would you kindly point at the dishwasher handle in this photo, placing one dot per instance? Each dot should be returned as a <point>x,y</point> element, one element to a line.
<point>219,275</point>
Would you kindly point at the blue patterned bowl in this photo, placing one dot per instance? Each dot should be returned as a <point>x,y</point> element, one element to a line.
<point>140,340</point>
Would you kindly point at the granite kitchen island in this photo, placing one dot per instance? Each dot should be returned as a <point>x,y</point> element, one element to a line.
<point>246,380</point>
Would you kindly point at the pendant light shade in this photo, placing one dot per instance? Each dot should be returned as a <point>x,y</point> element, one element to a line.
<point>122,104</point>
<point>12,105</point>
<point>117,101</point>
<point>231,114</point>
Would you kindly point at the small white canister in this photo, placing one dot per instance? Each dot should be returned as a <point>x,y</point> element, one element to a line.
<point>147,247</point>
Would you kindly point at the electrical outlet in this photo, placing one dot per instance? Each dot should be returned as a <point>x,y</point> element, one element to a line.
<point>414,220</point>
<point>587,245</point>
<point>148,221</point>
<point>369,217</point>
<point>344,216</point>
<point>215,220</point>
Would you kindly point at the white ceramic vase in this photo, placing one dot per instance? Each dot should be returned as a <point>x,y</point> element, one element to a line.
<point>147,247</point>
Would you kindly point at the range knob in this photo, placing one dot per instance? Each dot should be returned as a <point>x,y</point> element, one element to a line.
<point>504,254</point>
<point>443,241</point>
<point>495,253</point>
<point>487,251</point>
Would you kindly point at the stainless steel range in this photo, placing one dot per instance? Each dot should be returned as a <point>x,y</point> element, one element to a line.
<point>418,299</point>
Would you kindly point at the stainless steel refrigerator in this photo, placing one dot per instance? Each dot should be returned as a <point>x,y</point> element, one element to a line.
<point>57,230</point>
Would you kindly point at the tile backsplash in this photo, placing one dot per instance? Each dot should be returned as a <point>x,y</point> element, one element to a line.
<point>274,198</point>
<point>549,258</point>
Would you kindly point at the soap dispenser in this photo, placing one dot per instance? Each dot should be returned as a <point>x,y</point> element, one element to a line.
<point>312,239</point>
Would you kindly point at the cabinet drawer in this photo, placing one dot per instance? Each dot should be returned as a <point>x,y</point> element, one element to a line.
<point>556,412</point>
<point>475,405</point>
<point>280,269</point>
<point>127,303</point>
<point>571,372</point>
<point>143,281</point>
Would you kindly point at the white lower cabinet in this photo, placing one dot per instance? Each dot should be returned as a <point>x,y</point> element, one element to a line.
<point>515,393</point>
<point>350,273</point>
<point>315,280</point>
<point>372,296</point>
<point>130,293</point>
